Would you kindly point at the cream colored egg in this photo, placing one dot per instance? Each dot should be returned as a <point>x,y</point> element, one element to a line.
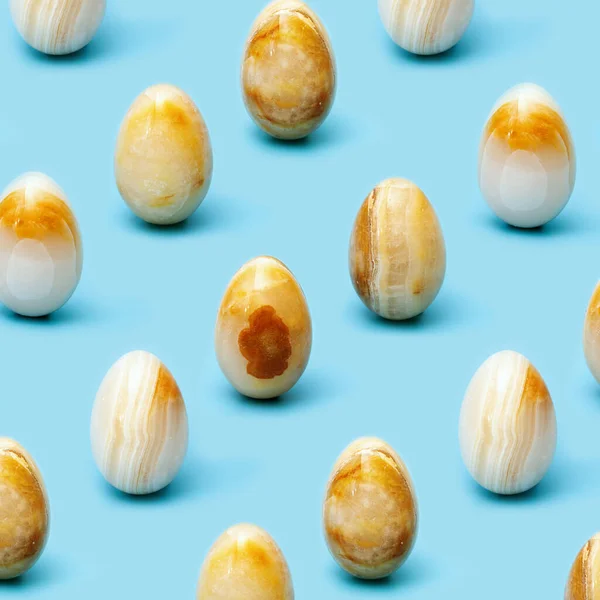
<point>139,427</point>
<point>370,510</point>
<point>245,563</point>
<point>24,512</point>
<point>163,159</point>
<point>40,246</point>
<point>397,251</point>
<point>426,26</point>
<point>263,335</point>
<point>591,334</point>
<point>57,26</point>
<point>526,160</point>
<point>507,428</point>
<point>288,70</point>
<point>584,578</point>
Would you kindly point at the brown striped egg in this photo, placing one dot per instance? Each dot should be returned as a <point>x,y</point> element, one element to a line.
<point>591,334</point>
<point>245,563</point>
<point>139,426</point>
<point>370,510</point>
<point>526,159</point>
<point>263,335</point>
<point>40,246</point>
<point>397,251</point>
<point>507,428</point>
<point>584,578</point>
<point>163,159</point>
<point>24,513</point>
<point>288,70</point>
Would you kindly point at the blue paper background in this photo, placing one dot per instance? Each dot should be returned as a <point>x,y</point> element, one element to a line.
<point>395,115</point>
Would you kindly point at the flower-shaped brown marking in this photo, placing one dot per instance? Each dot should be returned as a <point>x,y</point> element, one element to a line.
<point>265,344</point>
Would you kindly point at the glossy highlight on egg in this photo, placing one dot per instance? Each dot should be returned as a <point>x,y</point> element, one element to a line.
<point>139,425</point>
<point>370,510</point>
<point>41,255</point>
<point>584,579</point>
<point>163,158</point>
<point>245,563</point>
<point>397,251</point>
<point>507,427</point>
<point>24,510</point>
<point>263,335</point>
<point>426,26</point>
<point>57,26</point>
<point>288,70</point>
<point>527,163</point>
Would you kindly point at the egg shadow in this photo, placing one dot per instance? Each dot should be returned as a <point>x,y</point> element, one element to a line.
<point>46,572</point>
<point>74,312</point>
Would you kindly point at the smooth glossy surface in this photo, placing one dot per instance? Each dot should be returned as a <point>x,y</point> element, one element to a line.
<point>397,251</point>
<point>57,26</point>
<point>288,70</point>
<point>527,159</point>
<point>584,578</point>
<point>245,563</point>
<point>163,159</point>
<point>24,512</point>
<point>591,334</point>
<point>263,335</point>
<point>507,426</point>
<point>370,510</point>
<point>40,246</point>
<point>426,26</point>
<point>139,428</point>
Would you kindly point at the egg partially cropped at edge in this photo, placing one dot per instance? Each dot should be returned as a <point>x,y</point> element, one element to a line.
<point>288,70</point>
<point>584,578</point>
<point>163,158</point>
<point>591,334</point>
<point>41,255</point>
<point>507,427</point>
<point>57,26</point>
<point>370,511</point>
<point>139,425</point>
<point>24,510</point>
<point>263,335</point>
<point>245,563</point>
<point>426,26</point>
<point>527,161</point>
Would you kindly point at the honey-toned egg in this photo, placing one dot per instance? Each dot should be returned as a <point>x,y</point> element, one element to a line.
<point>288,70</point>
<point>526,159</point>
<point>24,512</point>
<point>591,334</point>
<point>426,26</point>
<point>507,425</point>
<point>397,251</point>
<point>245,563</point>
<point>139,426</point>
<point>263,335</point>
<point>57,26</point>
<point>584,578</point>
<point>40,246</point>
<point>163,159</point>
<point>370,510</point>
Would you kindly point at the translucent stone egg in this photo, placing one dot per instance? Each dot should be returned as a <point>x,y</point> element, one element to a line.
<point>591,334</point>
<point>40,246</point>
<point>507,428</point>
<point>526,160</point>
<point>584,578</point>
<point>370,510</point>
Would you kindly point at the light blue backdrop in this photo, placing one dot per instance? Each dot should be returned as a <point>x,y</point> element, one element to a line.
<point>159,290</point>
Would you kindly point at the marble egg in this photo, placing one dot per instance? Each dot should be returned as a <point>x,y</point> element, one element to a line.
<point>584,578</point>
<point>370,510</point>
<point>139,427</point>
<point>40,246</point>
<point>57,26</point>
<point>397,251</point>
<point>526,159</point>
<point>507,427</point>
<point>24,512</point>
<point>288,70</point>
<point>163,158</point>
<point>263,335</point>
<point>426,26</point>
<point>591,334</point>
<point>245,563</point>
